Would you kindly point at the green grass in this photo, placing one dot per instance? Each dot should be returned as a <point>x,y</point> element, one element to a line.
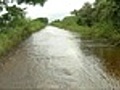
<point>12,36</point>
<point>100,31</point>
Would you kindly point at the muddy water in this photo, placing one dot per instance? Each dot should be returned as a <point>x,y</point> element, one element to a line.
<point>54,59</point>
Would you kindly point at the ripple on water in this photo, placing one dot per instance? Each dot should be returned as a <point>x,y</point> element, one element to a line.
<point>53,60</point>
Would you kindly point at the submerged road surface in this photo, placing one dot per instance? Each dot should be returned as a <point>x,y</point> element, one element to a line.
<point>53,60</point>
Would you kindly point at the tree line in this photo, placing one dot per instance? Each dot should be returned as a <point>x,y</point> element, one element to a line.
<point>101,11</point>
<point>14,26</point>
<point>99,20</point>
<point>14,13</point>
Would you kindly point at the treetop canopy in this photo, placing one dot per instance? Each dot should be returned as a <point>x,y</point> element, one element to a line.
<point>33,2</point>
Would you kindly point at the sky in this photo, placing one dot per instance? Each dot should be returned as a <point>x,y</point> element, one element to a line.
<point>54,9</point>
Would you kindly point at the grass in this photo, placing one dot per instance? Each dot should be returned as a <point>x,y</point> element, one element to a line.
<point>12,36</point>
<point>100,31</point>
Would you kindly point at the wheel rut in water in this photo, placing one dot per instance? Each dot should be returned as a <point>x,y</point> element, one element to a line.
<point>52,60</point>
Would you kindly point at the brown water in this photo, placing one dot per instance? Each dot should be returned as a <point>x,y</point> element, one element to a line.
<point>54,59</point>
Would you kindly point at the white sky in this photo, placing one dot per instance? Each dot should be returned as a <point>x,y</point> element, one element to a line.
<point>55,9</point>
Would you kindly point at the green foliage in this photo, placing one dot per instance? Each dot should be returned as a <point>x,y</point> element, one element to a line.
<point>33,2</point>
<point>44,20</point>
<point>102,10</point>
<point>14,27</point>
<point>13,35</point>
<point>97,21</point>
<point>12,15</point>
<point>14,12</point>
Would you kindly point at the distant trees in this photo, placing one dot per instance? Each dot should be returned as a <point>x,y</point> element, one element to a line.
<point>14,13</point>
<point>33,2</point>
<point>84,15</point>
<point>44,20</point>
<point>101,11</point>
<point>100,20</point>
<point>15,16</point>
<point>115,11</point>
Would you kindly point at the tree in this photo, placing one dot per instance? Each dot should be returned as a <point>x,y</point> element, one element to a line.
<point>115,10</point>
<point>44,20</point>
<point>107,11</point>
<point>33,2</point>
<point>84,15</point>
<point>14,12</point>
<point>4,3</point>
<point>15,15</point>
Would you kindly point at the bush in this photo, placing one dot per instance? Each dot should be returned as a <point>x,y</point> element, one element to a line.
<point>13,35</point>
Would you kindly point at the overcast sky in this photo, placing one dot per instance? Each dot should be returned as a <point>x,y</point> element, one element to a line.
<point>55,9</point>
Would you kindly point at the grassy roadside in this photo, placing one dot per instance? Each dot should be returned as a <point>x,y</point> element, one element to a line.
<point>12,36</point>
<point>101,31</point>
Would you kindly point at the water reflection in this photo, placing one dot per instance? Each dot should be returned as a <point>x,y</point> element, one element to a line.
<point>52,60</point>
<point>109,59</point>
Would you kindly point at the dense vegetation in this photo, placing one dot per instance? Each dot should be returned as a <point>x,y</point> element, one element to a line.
<point>95,21</point>
<point>14,26</point>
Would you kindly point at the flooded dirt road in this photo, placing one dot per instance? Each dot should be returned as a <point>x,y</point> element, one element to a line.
<point>53,59</point>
